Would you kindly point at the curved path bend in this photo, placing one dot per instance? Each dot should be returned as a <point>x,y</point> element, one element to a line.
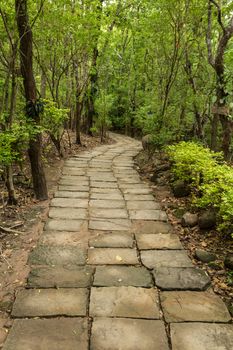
<point>109,274</point>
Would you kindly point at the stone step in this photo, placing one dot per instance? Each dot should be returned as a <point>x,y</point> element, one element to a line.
<point>181,278</point>
<point>128,334</point>
<point>59,277</point>
<point>191,306</point>
<point>48,334</point>
<point>51,302</point>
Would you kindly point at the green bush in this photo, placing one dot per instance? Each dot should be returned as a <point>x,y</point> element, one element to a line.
<point>210,179</point>
<point>14,140</point>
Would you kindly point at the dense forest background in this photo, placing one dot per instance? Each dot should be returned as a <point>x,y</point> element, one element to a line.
<point>159,67</point>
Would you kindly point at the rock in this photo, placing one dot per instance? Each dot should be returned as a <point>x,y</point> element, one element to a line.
<point>189,220</point>
<point>228,262</point>
<point>147,142</point>
<point>205,256</point>
<point>180,189</point>
<point>215,266</point>
<point>162,170</point>
<point>230,309</point>
<point>207,220</point>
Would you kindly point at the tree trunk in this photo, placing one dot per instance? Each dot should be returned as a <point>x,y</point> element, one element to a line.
<point>214,133</point>
<point>26,54</point>
<point>43,85</point>
<point>91,113</point>
<point>78,105</point>
<point>227,127</point>
<point>10,186</point>
<point>78,112</point>
<point>9,171</point>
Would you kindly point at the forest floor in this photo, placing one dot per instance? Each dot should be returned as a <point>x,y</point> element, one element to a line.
<point>27,220</point>
<point>191,238</point>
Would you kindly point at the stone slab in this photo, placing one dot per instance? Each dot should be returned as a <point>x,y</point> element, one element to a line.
<point>50,302</point>
<point>99,184</point>
<point>181,278</point>
<point>57,256</point>
<point>102,178</point>
<point>157,215</point>
<point>112,256</point>
<point>94,169</point>
<point>158,241</point>
<point>152,227</point>
<point>69,195</point>
<point>110,225</point>
<point>68,213</point>
<point>136,191</point>
<point>143,205</point>
<point>128,334</point>
<point>109,276</point>
<point>58,277</point>
<point>69,203</point>
<point>107,196</point>
<point>112,240</point>
<point>138,186</point>
<point>75,164</point>
<point>74,182</point>
<point>108,213</point>
<point>75,188</point>
<point>124,302</point>
<point>73,171</point>
<point>48,334</point>
<point>193,306</point>
<point>201,336</point>
<point>154,259</point>
<point>113,204</point>
<point>60,238</point>
<point>65,225</point>
<point>139,197</point>
<point>75,178</point>
<point>105,190</point>
<point>128,181</point>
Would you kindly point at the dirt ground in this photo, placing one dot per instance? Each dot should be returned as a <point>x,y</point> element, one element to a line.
<point>26,220</point>
<point>192,238</point>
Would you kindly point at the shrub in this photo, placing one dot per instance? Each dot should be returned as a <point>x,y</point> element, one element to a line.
<point>211,180</point>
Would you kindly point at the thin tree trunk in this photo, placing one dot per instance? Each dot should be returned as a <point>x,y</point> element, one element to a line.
<point>25,34</point>
<point>9,170</point>
<point>78,105</point>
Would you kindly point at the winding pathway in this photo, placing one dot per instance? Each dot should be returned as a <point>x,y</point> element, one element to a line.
<point>109,274</point>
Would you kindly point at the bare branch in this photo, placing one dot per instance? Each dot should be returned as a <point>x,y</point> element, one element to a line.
<point>219,14</point>
<point>6,27</point>
<point>38,13</point>
<point>209,37</point>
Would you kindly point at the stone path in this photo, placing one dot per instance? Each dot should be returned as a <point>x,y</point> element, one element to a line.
<point>109,274</point>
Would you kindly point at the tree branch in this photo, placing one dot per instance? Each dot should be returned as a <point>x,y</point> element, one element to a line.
<point>208,36</point>
<point>38,13</point>
<point>219,15</point>
<point>6,27</point>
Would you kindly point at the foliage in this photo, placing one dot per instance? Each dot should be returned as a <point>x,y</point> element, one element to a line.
<point>14,141</point>
<point>103,105</point>
<point>210,178</point>
<point>53,118</point>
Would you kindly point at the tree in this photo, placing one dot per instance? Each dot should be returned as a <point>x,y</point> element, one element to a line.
<point>32,103</point>
<point>221,110</point>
